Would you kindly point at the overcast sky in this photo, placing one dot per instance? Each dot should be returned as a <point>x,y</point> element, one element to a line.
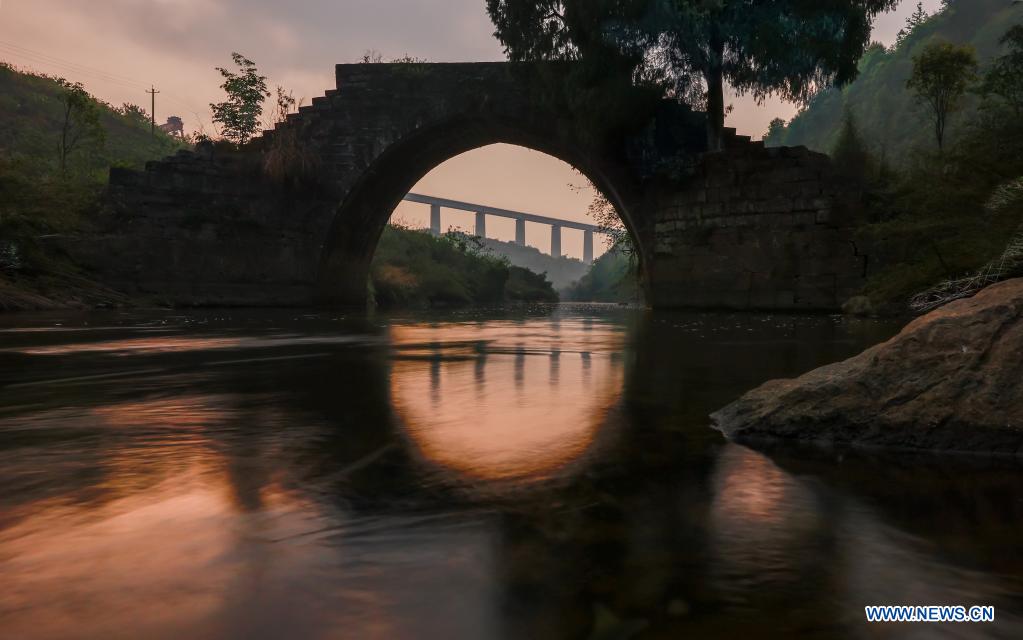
<point>119,47</point>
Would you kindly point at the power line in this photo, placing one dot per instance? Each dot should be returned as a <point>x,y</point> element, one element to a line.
<point>67,64</point>
<point>80,69</point>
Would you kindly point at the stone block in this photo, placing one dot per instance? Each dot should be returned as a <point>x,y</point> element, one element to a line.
<point>739,207</point>
<point>720,179</point>
<point>712,209</point>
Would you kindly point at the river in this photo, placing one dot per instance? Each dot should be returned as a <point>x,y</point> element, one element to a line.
<point>547,472</point>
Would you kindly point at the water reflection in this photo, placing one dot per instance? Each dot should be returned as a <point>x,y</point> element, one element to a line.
<point>493,410</point>
<point>535,476</point>
<point>764,523</point>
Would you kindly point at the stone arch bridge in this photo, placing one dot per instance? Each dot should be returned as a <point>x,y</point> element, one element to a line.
<point>293,217</point>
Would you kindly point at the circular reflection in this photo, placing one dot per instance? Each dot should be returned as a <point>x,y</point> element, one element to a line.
<point>487,407</point>
<point>765,525</point>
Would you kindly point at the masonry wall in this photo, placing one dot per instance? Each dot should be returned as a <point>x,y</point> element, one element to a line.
<point>757,228</point>
<point>752,228</point>
<point>206,230</point>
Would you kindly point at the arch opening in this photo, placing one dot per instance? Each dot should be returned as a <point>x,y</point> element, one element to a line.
<point>361,218</point>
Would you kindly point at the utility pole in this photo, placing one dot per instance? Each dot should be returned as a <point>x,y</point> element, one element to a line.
<point>152,113</point>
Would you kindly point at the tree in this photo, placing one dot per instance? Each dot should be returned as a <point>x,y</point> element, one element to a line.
<point>601,35</point>
<point>850,153</point>
<point>775,130</point>
<point>942,73</point>
<point>912,22</point>
<point>792,48</point>
<point>80,125</point>
<point>1004,78</point>
<point>246,90</point>
<point>789,47</point>
<point>135,113</point>
<point>284,104</point>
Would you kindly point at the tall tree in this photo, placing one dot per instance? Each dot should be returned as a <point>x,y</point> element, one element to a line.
<point>602,35</point>
<point>80,125</point>
<point>239,115</point>
<point>1004,78</point>
<point>942,73</point>
<point>792,48</point>
<point>775,130</point>
<point>917,18</point>
<point>850,153</point>
<point>787,47</point>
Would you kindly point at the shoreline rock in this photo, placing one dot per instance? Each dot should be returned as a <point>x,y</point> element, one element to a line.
<point>950,381</point>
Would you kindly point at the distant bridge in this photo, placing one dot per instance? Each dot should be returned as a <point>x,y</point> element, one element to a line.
<point>520,218</point>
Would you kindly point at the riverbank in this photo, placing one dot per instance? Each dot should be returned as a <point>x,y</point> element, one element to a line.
<point>59,289</point>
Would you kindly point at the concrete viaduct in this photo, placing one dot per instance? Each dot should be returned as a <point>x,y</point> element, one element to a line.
<point>520,218</point>
<point>293,217</point>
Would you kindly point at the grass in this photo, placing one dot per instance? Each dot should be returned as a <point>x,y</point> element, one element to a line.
<point>36,201</point>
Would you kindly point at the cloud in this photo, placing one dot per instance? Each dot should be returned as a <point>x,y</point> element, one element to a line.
<point>176,44</point>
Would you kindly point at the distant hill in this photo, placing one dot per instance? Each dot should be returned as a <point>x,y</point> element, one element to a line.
<point>413,268</point>
<point>30,122</point>
<point>888,117</point>
<point>612,278</point>
<point>562,272</point>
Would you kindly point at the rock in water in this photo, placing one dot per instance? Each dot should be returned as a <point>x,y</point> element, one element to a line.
<point>950,381</point>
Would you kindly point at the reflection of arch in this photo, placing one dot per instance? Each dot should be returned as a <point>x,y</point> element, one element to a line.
<point>499,412</point>
<point>363,214</point>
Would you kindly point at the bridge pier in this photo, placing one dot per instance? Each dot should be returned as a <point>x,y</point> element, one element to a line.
<point>520,232</point>
<point>481,224</point>
<point>556,240</point>
<point>588,247</point>
<point>435,219</point>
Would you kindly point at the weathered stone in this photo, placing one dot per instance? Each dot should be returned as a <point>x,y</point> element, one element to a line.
<point>949,381</point>
<point>210,227</point>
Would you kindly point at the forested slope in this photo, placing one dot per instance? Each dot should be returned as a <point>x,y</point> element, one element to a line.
<point>890,121</point>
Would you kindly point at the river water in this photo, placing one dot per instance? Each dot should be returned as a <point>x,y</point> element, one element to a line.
<point>534,473</point>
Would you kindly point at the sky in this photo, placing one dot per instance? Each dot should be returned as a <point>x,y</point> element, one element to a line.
<point>119,48</point>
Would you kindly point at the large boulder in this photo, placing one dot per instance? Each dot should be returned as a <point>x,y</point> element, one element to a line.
<point>951,380</point>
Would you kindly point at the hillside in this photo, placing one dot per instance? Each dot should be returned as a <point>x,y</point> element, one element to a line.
<point>413,268</point>
<point>561,272</point>
<point>891,123</point>
<point>30,123</point>
<point>612,278</point>
<point>37,200</point>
